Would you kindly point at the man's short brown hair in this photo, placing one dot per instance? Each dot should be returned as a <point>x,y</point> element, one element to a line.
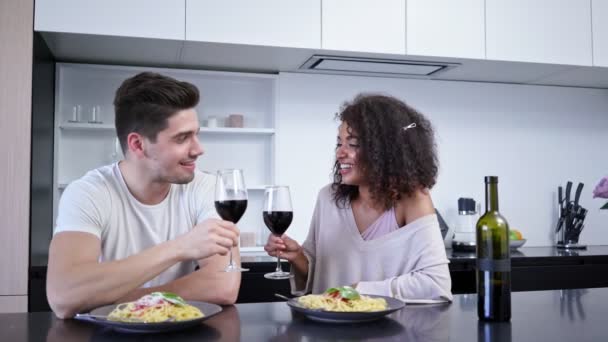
<point>144,103</point>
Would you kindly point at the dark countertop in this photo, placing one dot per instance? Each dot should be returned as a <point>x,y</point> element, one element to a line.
<point>533,268</point>
<point>250,258</point>
<point>559,315</point>
<point>538,252</point>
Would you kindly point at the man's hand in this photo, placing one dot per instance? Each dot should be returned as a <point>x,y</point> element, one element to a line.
<point>208,238</point>
<point>288,248</point>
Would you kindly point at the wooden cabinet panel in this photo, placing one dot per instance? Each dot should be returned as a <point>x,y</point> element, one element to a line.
<point>16,19</point>
<point>13,304</point>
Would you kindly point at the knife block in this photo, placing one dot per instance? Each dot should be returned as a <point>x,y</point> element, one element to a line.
<point>570,241</point>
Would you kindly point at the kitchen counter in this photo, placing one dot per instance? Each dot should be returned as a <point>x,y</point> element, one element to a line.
<point>557,315</point>
<point>539,268</point>
<point>533,268</point>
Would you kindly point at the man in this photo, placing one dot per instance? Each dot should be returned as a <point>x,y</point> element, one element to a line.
<point>138,226</point>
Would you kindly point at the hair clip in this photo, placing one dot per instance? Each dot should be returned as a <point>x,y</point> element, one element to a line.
<point>412,125</point>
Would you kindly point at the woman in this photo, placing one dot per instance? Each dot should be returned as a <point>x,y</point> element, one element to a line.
<point>375,226</point>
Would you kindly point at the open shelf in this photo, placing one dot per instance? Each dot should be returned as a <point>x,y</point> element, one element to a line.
<point>85,126</point>
<point>62,186</point>
<point>83,146</point>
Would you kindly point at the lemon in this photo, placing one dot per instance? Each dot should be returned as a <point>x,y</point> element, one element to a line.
<point>515,234</point>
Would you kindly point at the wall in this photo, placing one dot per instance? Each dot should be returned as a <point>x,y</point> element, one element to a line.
<point>533,137</point>
<point>16,22</point>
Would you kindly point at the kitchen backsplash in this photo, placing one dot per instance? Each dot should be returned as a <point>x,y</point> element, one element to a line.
<point>533,137</point>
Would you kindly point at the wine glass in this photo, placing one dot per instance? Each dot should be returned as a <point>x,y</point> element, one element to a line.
<point>231,202</point>
<point>277,214</point>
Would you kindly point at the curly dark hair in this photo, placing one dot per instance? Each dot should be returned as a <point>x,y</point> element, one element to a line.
<point>393,160</point>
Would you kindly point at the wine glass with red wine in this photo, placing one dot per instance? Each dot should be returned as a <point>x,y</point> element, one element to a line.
<point>277,214</point>
<point>231,202</point>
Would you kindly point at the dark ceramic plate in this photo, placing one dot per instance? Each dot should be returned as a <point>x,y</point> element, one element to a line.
<point>346,317</point>
<point>96,317</point>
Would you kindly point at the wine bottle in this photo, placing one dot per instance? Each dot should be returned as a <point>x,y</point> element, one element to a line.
<point>493,260</point>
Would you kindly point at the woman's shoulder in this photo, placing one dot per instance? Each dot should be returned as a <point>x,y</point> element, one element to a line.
<point>413,206</point>
<point>326,194</point>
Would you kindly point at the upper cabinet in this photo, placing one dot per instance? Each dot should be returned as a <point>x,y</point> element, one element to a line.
<point>540,31</point>
<point>446,28</point>
<point>364,25</point>
<point>264,22</point>
<point>163,19</point>
<point>599,10</point>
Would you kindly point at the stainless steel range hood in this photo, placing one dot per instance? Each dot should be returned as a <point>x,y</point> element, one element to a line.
<point>374,66</point>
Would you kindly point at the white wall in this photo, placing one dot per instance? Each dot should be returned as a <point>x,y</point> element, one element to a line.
<point>533,137</point>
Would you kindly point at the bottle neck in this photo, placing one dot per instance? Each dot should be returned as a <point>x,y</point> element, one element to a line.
<point>491,197</point>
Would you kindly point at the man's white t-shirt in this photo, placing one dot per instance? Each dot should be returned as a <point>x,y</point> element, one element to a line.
<point>101,204</point>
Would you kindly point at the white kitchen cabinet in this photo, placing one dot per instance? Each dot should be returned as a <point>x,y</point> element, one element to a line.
<point>539,31</point>
<point>162,19</point>
<point>364,25</point>
<point>599,11</point>
<point>263,22</point>
<point>446,28</point>
<point>82,146</point>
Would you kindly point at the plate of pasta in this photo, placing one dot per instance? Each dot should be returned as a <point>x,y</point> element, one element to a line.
<point>344,305</point>
<point>155,312</point>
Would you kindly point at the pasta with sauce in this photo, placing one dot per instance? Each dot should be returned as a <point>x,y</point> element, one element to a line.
<point>344,299</point>
<point>154,308</point>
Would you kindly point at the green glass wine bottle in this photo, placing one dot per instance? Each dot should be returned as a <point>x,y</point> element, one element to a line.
<point>493,260</point>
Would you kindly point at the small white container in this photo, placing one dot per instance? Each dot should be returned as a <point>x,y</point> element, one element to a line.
<point>212,122</point>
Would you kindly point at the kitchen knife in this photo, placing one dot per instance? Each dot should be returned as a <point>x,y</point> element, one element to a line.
<point>560,199</point>
<point>577,225</point>
<point>575,219</point>
<point>577,195</point>
<point>568,210</point>
<point>568,189</point>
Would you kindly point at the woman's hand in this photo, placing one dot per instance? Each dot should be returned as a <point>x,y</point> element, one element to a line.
<point>284,246</point>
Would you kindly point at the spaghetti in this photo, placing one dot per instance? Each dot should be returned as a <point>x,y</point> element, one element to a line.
<point>343,299</point>
<point>154,308</point>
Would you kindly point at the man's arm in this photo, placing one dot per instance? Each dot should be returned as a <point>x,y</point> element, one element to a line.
<point>207,284</point>
<point>77,281</point>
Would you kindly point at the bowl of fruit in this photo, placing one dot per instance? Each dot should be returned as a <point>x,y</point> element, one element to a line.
<point>516,240</point>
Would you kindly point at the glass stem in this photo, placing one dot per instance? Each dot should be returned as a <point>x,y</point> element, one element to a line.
<point>230,252</point>
<point>279,269</point>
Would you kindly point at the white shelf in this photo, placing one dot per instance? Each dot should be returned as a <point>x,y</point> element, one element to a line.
<point>251,249</point>
<point>62,186</point>
<point>256,187</point>
<point>244,130</point>
<point>85,126</point>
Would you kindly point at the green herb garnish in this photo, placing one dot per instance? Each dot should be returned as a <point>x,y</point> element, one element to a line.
<point>170,297</point>
<point>345,292</point>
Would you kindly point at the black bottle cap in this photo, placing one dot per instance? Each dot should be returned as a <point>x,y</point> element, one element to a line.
<point>491,179</point>
<point>466,205</point>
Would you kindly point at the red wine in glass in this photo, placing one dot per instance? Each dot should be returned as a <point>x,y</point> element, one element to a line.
<point>277,214</point>
<point>277,221</point>
<point>231,202</point>
<point>231,210</point>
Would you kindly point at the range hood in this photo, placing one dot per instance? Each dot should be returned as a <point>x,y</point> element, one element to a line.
<point>374,66</point>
